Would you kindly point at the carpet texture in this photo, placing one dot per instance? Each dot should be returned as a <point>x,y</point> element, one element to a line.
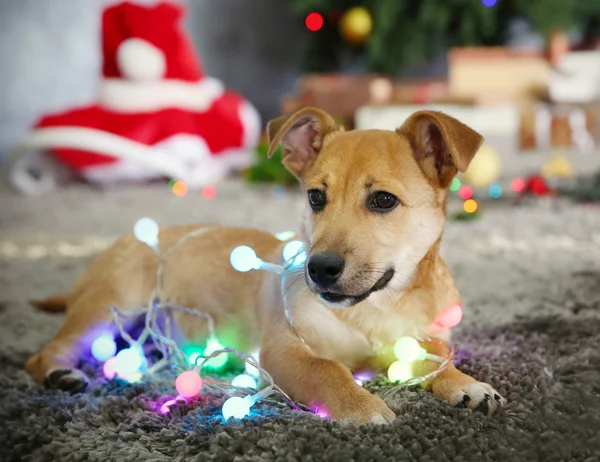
<point>530,281</point>
<point>547,367</point>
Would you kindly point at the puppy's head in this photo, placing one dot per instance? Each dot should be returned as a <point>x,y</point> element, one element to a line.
<point>375,199</point>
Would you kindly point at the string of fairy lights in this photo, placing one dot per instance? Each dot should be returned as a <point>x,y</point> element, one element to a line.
<point>190,361</point>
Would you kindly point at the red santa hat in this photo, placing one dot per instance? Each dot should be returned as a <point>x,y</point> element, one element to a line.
<point>149,61</point>
<point>147,43</point>
<point>157,113</point>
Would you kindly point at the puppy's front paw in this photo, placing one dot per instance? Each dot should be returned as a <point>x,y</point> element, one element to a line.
<point>71,380</point>
<point>464,391</point>
<point>362,408</point>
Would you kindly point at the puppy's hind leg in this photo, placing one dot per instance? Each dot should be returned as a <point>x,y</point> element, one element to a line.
<point>56,364</point>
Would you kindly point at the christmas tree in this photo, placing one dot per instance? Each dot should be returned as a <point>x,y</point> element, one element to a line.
<point>393,35</point>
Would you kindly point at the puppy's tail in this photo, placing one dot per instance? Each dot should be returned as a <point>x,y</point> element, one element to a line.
<point>51,304</point>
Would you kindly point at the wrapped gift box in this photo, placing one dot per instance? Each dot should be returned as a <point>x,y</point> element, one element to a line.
<point>342,95</point>
<point>570,126</point>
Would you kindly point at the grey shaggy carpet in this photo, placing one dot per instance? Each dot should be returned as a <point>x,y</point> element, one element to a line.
<point>530,281</point>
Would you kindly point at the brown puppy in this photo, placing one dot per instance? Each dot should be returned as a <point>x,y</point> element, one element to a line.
<point>374,219</point>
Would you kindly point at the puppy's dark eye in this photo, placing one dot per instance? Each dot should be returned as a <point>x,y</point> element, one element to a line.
<point>317,199</point>
<point>383,201</point>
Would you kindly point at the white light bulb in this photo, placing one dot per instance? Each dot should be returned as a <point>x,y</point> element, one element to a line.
<point>294,253</point>
<point>237,407</point>
<point>243,258</point>
<point>129,361</point>
<point>244,381</point>
<point>146,231</point>
<point>285,235</point>
<point>250,369</point>
<point>104,347</point>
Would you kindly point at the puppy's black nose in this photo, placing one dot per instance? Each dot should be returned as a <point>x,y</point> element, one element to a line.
<point>325,268</point>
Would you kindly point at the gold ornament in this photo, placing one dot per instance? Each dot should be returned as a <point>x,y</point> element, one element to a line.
<point>484,168</point>
<point>356,25</point>
<point>558,167</point>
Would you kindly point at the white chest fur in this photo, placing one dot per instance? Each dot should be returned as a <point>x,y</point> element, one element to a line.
<point>353,335</point>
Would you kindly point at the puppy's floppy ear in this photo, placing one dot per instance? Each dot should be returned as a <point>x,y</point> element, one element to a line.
<point>441,144</point>
<point>301,136</point>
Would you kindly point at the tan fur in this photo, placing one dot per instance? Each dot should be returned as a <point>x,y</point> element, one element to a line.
<point>415,164</point>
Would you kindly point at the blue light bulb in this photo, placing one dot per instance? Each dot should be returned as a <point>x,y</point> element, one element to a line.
<point>495,190</point>
<point>104,347</point>
<point>237,407</point>
<point>294,253</point>
<point>243,258</point>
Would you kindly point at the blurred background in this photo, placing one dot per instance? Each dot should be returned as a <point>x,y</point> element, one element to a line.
<point>162,105</point>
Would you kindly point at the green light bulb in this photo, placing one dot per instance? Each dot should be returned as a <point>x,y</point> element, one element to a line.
<point>217,362</point>
<point>193,352</point>
<point>407,349</point>
<point>455,185</point>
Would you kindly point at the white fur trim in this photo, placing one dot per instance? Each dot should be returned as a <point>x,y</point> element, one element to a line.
<point>139,60</point>
<point>190,152</point>
<point>251,123</point>
<point>183,157</point>
<point>101,142</point>
<point>126,96</point>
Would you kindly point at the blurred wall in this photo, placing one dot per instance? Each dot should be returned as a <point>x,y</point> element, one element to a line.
<point>50,59</point>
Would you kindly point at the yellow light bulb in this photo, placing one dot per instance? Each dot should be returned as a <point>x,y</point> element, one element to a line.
<point>400,371</point>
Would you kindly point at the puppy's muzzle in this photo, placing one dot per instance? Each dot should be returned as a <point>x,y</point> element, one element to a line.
<point>325,269</point>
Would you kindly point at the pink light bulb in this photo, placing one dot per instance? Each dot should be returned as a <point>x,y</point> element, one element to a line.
<point>320,412</point>
<point>451,317</point>
<point>110,368</point>
<point>166,407</point>
<point>188,384</point>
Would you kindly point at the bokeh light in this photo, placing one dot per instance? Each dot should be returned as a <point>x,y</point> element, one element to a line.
<point>166,407</point>
<point>244,381</point>
<point>209,192</point>
<point>400,371</point>
<point>129,361</point>
<point>243,258</point>
<point>250,369</point>
<point>495,190</point>
<point>104,347</point>
<point>455,185</point>
<point>466,192</point>
<point>285,235</point>
<point>179,188</point>
<point>219,361</point>
<point>489,3</point>
<point>517,185</point>
<point>320,412</point>
<point>470,206</point>
<point>188,384</point>
<point>407,349</point>
<point>110,368</point>
<point>314,22</point>
<point>538,186</point>
<point>146,230</point>
<point>450,317</point>
<point>193,352</point>
<point>293,253</point>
